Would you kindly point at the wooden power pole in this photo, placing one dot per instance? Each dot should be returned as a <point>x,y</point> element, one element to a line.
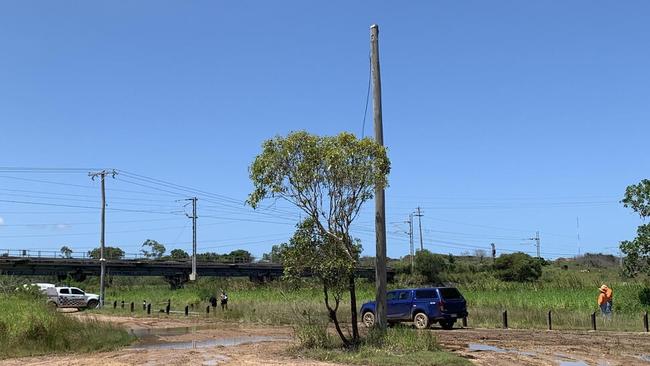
<point>380,208</point>
<point>102,261</point>
<point>193,217</point>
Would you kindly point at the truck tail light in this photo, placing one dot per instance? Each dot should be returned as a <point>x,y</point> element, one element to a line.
<point>441,305</point>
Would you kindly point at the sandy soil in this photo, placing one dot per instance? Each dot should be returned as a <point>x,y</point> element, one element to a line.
<point>515,347</point>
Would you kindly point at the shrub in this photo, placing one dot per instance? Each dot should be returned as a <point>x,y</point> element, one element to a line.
<point>431,266</point>
<point>401,340</point>
<point>644,296</point>
<point>518,267</point>
<point>314,336</point>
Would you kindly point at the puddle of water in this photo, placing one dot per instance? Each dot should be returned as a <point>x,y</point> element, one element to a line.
<point>223,342</point>
<point>645,358</point>
<point>485,347</point>
<point>166,332</point>
<point>573,363</point>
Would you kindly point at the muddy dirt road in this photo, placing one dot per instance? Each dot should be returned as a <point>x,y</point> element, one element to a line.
<point>185,342</point>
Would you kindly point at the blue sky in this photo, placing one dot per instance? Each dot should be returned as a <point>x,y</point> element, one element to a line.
<point>501,118</point>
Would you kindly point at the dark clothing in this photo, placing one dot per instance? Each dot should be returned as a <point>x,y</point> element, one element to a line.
<point>213,301</point>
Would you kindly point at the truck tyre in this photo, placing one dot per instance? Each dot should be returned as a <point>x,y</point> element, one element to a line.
<point>368,319</point>
<point>51,305</point>
<point>421,321</point>
<point>92,304</point>
<point>447,324</point>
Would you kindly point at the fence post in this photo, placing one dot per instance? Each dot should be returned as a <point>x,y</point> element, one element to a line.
<point>114,304</point>
<point>464,322</point>
<point>550,321</point>
<point>645,321</point>
<point>167,309</point>
<point>144,305</point>
<point>122,304</point>
<point>593,320</point>
<point>187,310</point>
<point>149,309</point>
<point>132,306</point>
<point>505,319</point>
<point>207,309</point>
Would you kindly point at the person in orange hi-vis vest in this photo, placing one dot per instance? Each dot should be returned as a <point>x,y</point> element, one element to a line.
<point>603,300</point>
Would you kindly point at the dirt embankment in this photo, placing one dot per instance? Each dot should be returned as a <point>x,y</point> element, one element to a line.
<point>197,342</point>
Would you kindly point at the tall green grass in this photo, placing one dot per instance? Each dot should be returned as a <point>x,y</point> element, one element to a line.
<point>28,327</point>
<point>570,295</point>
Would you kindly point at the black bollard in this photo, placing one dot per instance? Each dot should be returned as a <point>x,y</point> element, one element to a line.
<point>645,321</point>
<point>464,322</point>
<point>187,310</point>
<point>132,306</point>
<point>122,304</point>
<point>207,309</point>
<point>149,309</point>
<point>550,321</point>
<point>593,321</point>
<point>115,304</point>
<point>167,309</point>
<point>505,319</point>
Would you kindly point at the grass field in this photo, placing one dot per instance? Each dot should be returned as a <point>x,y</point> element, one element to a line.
<point>571,296</point>
<point>28,327</point>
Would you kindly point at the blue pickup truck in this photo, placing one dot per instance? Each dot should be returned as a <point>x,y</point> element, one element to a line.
<point>422,306</point>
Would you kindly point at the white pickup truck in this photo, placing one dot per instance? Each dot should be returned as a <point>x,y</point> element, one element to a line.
<point>70,297</point>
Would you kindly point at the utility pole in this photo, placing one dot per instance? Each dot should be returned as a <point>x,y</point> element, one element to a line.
<point>102,261</point>
<point>419,215</point>
<point>193,217</point>
<point>494,253</point>
<point>537,243</point>
<point>578,232</point>
<point>380,208</point>
<point>411,249</point>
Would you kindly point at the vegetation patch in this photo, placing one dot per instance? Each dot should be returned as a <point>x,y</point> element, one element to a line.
<point>28,328</point>
<point>395,346</point>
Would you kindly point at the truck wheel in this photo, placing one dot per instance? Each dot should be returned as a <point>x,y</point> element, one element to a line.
<point>447,324</point>
<point>368,319</point>
<point>52,305</point>
<point>421,321</point>
<point>92,304</point>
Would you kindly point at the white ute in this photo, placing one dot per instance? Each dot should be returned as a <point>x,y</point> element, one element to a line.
<point>70,297</point>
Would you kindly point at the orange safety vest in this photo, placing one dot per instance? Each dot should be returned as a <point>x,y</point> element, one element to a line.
<point>602,298</point>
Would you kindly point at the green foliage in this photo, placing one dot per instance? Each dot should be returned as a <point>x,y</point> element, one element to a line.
<point>308,251</point>
<point>109,253</point>
<point>401,339</point>
<point>329,178</point>
<point>314,336</point>
<point>637,251</point>
<point>518,267</point>
<point>178,254</point>
<point>394,346</point>
<point>637,197</point>
<point>431,266</point>
<point>66,252</point>
<point>236,256</point>
<point>152,249</point>
<point>644,296</point>
<point>28,327</point>
<point>275,255</point>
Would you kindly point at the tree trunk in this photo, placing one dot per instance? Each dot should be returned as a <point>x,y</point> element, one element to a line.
<point>353,310</point>
<point>332,315</point>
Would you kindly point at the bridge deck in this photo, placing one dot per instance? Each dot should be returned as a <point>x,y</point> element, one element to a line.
<point>20,266</point>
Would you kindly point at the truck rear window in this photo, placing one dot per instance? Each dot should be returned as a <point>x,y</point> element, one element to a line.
<point>450,293</point>
<point>425,294</point>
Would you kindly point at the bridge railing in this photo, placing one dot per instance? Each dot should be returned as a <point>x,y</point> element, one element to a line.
<point>33,253</point>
